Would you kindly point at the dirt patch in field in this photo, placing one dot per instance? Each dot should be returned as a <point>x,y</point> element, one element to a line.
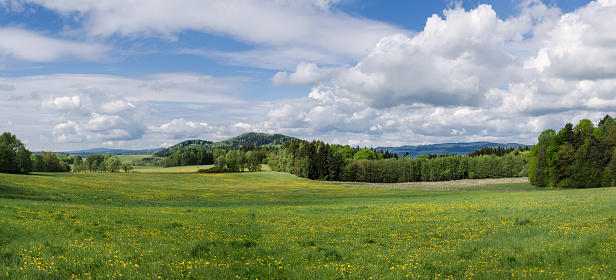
<point>468,184</point>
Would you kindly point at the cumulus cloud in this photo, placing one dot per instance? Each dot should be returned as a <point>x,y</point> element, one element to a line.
<point>33,47</point>
<point>464,77</point>
<point>63,103</point>
<point>67,132</point>
<point>452,62</point>
<point>100,108</point>
<point>99,128</point>
<point>581,44</point>
<point>305,74</point>
<point>181,129</point>
<point>322,112</point>
<point>116,107</point>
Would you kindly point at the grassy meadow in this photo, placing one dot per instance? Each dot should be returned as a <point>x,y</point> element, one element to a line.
<point>269,225</point>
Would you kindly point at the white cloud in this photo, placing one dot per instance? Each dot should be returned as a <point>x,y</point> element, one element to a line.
<point>305,74</point>
<point>452,62</point>
<point>468,76</point>
<point>159,87</point>
<point>33,47</point>
<point>98,128</point>
<point>7,87</point>
<point>102,108</point>
<point>67,132</point>
<point>117,107</point>
<point>103,122</point>
<point>292,24</point>
<point>181,129</point>
<point>270,58</point>
<point>444,84</point>
<point>581,44</point>
<point>63,103</point>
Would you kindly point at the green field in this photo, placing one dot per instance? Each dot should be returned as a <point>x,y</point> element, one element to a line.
<point>268,225</point>
<point>131,158</point>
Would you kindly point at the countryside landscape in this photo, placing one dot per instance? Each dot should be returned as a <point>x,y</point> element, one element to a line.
<point>307,139</point>
<point>443,217</point>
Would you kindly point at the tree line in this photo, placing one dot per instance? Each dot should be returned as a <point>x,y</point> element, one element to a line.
<point>583,156</point>
<point>313,160</point>
<point>100,163</point>
<point>248,157</point>
<point>15,158</point>
<point>321,161</point>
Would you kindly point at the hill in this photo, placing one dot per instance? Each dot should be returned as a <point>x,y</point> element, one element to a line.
<point>445,148</point>
<point>248,139</point>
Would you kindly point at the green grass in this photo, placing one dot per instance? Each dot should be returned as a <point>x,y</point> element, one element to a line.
<point>131,158</point>
<point>270,225</point>
<point>178,169</point>
<point>160,169</point>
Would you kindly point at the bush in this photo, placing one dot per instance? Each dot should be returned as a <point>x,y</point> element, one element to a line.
<point>214,170</point>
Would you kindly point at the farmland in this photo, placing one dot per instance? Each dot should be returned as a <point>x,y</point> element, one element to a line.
<point>269,225</point>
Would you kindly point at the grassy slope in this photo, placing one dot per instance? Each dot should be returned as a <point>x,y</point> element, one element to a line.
<point>131,158</point>
<point>271,225</point>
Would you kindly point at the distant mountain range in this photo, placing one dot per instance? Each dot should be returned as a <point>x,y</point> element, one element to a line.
<point>105,151</point>
<point>276,140</point>
<point>446,148</point>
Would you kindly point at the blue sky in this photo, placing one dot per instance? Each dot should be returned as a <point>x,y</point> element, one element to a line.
<point>77,74</point>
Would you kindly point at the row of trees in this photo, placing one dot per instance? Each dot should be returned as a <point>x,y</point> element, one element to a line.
<point>498,151</point>
<point>321,161</point>
<point>193,156</point>
<point>100,163</point>
<point>15,158</point>
<point>583,156</point>
<point>224,160</point>
<point>237,160</point>
<point>51,162</point>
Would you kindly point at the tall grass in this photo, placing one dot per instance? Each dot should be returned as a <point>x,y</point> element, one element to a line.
<point>270,225</point>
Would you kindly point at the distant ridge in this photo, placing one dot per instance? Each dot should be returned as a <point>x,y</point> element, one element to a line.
<point>276,140</point>
<point>108,151</point>
<point>445,148</point>
<point>248,139</point>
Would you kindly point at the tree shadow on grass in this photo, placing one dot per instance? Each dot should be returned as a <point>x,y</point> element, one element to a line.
<point>12,192</point>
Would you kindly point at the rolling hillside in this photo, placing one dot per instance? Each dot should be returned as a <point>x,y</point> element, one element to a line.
<point>248,139</point>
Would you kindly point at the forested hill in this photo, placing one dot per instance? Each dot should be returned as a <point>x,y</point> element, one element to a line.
<point>248,139</point>
<point>446,148</point>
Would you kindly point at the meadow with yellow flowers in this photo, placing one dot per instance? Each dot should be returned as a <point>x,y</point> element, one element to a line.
<point>269,225</point>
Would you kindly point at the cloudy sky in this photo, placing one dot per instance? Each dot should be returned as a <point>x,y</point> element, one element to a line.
<point>77,74</point>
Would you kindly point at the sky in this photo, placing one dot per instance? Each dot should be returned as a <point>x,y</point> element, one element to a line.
<point>141,74</point>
